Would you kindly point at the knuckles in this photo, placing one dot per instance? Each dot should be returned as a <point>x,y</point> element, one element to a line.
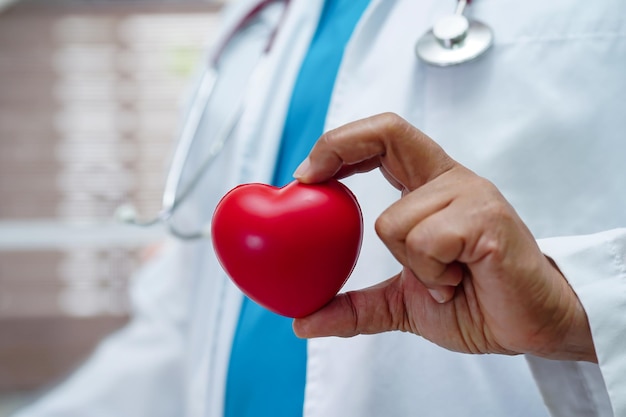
<point>391,123</point>
<point>388,228</point>
<point>419,243</point>
<point>487,220</point>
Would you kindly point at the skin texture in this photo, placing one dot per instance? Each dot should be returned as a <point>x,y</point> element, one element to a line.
<point>473,279</point>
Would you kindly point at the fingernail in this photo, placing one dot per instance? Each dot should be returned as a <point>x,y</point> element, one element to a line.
<point>437,295</point>
<point>302,169</point>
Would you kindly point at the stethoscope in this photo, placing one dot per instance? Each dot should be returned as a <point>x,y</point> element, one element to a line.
<point>453,40</point>
<point>174,193</point>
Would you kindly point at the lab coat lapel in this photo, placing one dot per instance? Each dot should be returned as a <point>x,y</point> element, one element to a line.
<point>256,141</point>
<point>266,106</point>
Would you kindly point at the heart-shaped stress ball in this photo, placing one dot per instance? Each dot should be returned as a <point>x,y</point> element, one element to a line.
<point>290,249</point>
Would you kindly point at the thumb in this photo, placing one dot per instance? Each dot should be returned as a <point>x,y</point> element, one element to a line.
<point>372,310</point>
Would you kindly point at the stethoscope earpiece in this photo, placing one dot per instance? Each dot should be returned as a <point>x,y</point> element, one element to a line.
<point>454,40</point>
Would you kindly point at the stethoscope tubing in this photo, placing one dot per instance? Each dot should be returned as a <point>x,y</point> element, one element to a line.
<point>429,49</point>
<point>173,196</point>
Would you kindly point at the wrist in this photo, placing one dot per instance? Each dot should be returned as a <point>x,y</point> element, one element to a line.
<point>572,334</point>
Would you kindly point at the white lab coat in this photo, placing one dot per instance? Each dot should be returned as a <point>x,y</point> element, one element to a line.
<point>541,115</point>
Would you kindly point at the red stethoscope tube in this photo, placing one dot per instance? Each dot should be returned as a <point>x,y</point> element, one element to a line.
<point>245,21</point>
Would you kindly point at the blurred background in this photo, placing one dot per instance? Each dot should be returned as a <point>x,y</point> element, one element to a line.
<point>90,96</point>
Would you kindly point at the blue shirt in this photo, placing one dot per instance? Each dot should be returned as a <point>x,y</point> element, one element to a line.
<point>267,369</point>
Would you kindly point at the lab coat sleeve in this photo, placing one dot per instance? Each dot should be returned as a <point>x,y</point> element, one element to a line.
<point>136,372</point>
<point>595,266</point>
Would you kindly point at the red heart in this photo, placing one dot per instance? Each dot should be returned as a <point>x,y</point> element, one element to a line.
<point>290,249</point>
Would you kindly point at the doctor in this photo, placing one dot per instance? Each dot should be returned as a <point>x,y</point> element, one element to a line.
<point>540,115</point>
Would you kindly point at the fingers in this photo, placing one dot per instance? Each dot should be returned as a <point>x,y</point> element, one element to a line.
<point>434,230</point>
<point>416,221</point>
<point>408,156</point>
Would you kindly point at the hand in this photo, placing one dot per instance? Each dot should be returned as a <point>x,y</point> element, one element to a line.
<point>473,278</point>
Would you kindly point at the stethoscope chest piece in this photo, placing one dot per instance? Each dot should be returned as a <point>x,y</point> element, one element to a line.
<point>454,40</point>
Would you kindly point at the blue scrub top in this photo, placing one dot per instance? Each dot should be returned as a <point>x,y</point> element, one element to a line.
<point>267,370</point>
